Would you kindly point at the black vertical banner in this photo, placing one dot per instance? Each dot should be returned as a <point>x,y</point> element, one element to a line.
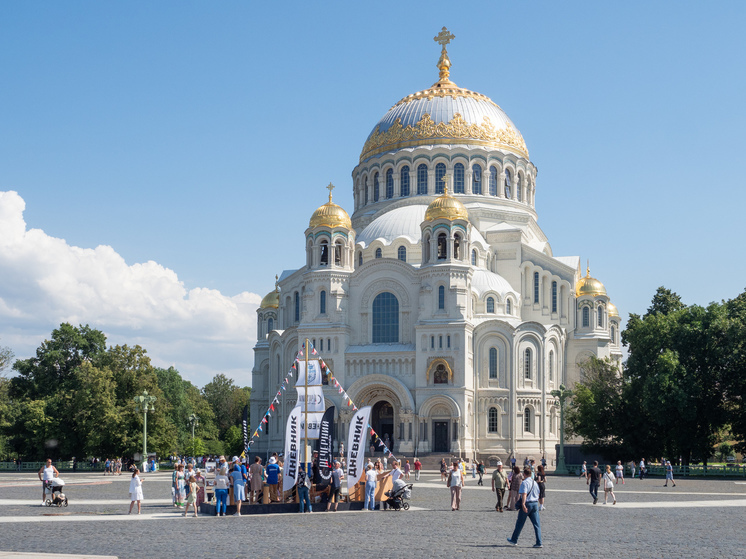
<point>325,446</point>
<point>246,429</point>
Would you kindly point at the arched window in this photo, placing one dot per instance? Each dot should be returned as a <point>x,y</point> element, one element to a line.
<point>457,247</point>
<point>422,179</point>
<point>554,296</point>
<point>476,179</point>
<point>586,317</point>
<point>390,183</point>
<point>270,325</point>
<point>613,334</point>
<point>551,366</point>
<point>600,317</point>
<point>493,181</point>
<point>527,420</point>
<point>404,180</point>
<point>365,201</point>
<point>426,246</point>
<point>385,319</point>
<point>379,253</point>
<point>507,183</point>
<point>322,304</point>
<point>492,423</point>
<point>490,305</point>
<point>432,342</point>
<point>493,363</point>
<point>338,253</point>
<point>440,376</point>
<point>442,247</point>
<point>508,307</point>
<point>440,172</point>
<point>458,178</point>
<point>324,261</point>
<point>518,187</point>
<point>297,307</point>
<point>376,188</point>
<point>474,257</point>
<point>440,342</point>
<point>536,287</point>
<point>448,341</point>
<point>402,253</point>
<point>360,258</point>
<point>527,363</point>
<point>441,297</point>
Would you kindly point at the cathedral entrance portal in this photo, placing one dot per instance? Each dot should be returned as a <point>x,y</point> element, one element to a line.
<point>382,421</point>
<point>440,436</point>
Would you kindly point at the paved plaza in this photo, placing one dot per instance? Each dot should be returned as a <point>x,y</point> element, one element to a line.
<point>695,519</point>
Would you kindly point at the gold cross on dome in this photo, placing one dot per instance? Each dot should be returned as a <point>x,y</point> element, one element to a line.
<point>330,188</point>
<point>444,37</point>
<point>445,185</point>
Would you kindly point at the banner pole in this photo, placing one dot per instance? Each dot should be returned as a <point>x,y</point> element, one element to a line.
<point>305,410</point>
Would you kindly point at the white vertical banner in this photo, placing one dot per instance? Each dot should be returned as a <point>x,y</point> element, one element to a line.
<point>356,440</point>
<point>315,400</point>
<point>292,448</point>
<point>314,373</point>
<point>310,397</point>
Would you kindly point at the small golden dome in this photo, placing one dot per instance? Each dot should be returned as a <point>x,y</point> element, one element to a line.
<point>271,300</point>
<point>446,207</point>
<point>613,312</point>
<point>589,286</point>
<point>330,215</point>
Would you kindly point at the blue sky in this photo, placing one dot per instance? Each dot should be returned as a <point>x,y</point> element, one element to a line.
<point>198,137</point>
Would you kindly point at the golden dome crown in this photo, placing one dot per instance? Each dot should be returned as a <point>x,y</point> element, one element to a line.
<point>330,215</point>
<point>589,286</point>
<point>446,207</point>
<point>613,312</point>
<point>272,299</point>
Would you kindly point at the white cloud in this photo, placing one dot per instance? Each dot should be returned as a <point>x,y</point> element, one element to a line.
<point>44,282</point>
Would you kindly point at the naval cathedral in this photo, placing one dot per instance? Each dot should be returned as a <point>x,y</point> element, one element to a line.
<point>439,302</point>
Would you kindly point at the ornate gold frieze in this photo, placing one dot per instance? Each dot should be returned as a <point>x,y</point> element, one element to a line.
<point>457,129</point>
<point>452,92</point>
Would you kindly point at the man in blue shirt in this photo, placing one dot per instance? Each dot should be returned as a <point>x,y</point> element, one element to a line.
<point>273,479</point>
<point>529,508</point>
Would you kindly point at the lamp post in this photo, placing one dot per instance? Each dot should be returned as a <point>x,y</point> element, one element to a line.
<point>143,402</point>
<point>193,421</point>
<point>562,394</point>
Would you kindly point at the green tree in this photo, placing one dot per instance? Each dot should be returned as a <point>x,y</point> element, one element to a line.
<point>664,302</point>
<point>6,358</point>
<point>734,368</point>
<point>195,447</point>
<point>234,440</point>
<point>227,402</point>
<point>8,408</point>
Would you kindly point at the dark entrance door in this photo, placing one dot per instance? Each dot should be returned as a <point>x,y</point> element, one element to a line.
<point>440,436</point>
<point>382,421</point>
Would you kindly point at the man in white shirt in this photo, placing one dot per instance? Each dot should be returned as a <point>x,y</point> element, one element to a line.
<point>529,503</point>
<point>336,485</point>
<point>395,474</point>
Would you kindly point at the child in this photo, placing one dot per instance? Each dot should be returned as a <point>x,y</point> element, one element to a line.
<point>135,490</point>
<point>192,498</point>
<point>609,485</point>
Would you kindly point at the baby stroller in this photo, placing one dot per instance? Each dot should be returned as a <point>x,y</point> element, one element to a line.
<point>53,491</point>
<point>399,495</point>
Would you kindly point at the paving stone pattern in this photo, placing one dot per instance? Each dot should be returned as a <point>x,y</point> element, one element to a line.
<point>649,521</point>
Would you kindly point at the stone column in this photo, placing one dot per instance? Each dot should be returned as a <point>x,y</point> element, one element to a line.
<point>467,179</point>
<point>397,185</point>
<point>431,181</point>
<point>412,182</point>
<point>501,184</point>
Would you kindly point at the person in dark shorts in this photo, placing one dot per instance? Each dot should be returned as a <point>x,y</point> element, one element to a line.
<point>541,480</point>
<point>336,485</point>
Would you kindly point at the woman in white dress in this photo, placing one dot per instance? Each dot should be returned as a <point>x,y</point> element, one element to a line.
<point>135,490</point>
<point>609,485</point>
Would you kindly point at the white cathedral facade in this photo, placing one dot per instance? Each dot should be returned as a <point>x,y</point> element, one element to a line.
<point>440,302</point>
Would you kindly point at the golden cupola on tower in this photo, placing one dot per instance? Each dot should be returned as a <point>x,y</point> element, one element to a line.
<point>272,299</point>
<point>613,311</point>
<point>446,207</point>
<point>589,286</point>
<point>330,215</point>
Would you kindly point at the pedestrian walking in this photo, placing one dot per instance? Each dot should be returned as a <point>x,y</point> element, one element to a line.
<point>371,480</point>
<point>541,480</point>
<point>669,474</point>
<point>336,486</point>
<point>584,470</point>
<point>222,484</point>
<point>417,469</point>
<point>407,469</point>
<point>192,498</point>
<point>499,483</point>
<point>632,468</point>
<point>529,508</point>
<point>455,482</point>
<point>257,484</point>
<point>443,469</point>
<point>515,484</point>
<point>480,471</point>
<point>135,491</point>
<point>46,473</point>
<point>619,472</point>
<point>303,485</point>
<point>593,480</point>
<point>473,469</point>
<point>608,485</point>
<point>642,468</point>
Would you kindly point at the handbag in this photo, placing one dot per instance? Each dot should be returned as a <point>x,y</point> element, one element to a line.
<point>448,482</point>
<point>519,502</point>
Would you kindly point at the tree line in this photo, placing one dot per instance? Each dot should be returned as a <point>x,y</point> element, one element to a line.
<point>75,398</point>
<point>681,391</point>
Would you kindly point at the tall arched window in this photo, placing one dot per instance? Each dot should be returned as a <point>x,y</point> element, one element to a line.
<point>492,423</point>
<point>458,178</point>
<point>402,253</point>
<point>390,183</point>
<point>554,296</point>
<point>527,363</point>
<point>441,297</point>
<point>297,307</point>
<point>527,420</point>
<point>379,253</point>
<point>536,287</point>
<point>508,307</point>
<point>518,185</point>
<point>440,172</point>
<point>476,179</point>
<point>442,247</point>
<point>366,191</point>
<point>324,260</point>
<point>385,319</point>
<point>551,366</point>
<point>270,325</point>
<point>586,317</point>
<point>493,181</point>
<point>322,303</point>
<point>474,257</point>
<point>493,363</point>
<point>490,305</point>
<point>404,180</point>
<point>457,247</point>
<point>422,179</point>
<point>338,253</point>
<point>376,188</point>
<point>600,317</point>
<point>360,258</point>
<point>507,183</point>
<point>426,248</point>
<point>613,334</point>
